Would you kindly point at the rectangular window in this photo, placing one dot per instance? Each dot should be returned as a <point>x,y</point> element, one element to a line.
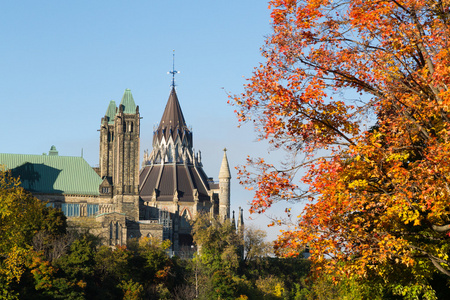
<point>92,209</point>
<point>71,209</point>
<point>50,204</point>
<point>105,190</point>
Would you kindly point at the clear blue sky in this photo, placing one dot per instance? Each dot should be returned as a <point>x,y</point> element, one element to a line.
<point>61,62</point>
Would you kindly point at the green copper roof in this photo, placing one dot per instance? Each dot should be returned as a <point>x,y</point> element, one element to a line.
<point>53,174</point>
<point>111,112</point>
<point>129,107</point>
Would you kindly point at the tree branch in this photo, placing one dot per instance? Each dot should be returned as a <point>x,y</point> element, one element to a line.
<point>441,228</point>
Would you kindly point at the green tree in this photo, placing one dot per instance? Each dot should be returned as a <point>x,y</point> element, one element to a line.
<point>77,266</point>
<point>271,288</point>
<point>272,277</point>
<point>21,218</point>
<point>45,281</point>
<point>217,261</point>
<point>152,267</point>
<point>255,246</point>
<point>112,269</point>
<point>131,290</point>
<point>218,243</point>
<point>223,286</point>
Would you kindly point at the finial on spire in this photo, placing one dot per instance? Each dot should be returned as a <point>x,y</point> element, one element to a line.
<point>173,72</point>
<point>224,172</point>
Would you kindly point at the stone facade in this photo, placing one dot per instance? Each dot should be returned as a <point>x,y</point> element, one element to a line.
<point>172,179</point>
<point>118,200</point>
<point>171,188</point>
<point>119,170</point>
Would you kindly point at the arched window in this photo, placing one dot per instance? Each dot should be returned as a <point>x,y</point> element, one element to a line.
<point>185,217</point>
<point>170,153</point>
<point>176,154</point>
<point>110,136</point>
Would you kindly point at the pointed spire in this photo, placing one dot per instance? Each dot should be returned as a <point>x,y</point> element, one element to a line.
<point>240,221</point>
<point>173,129</point>
<point>233,221</point>
<point>172,116</point>
<point>127,103</point>
<point>111,112</point>
<point>242,218</point>
<point>224,168</point>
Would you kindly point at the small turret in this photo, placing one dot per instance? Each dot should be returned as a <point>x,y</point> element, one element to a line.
<point>127,104</point>
<point>111,112</point>
<point>224,186</point>
<point>233,221</point>
<point>53,151</point>
<point>240,225</point>
<point>106,141</point>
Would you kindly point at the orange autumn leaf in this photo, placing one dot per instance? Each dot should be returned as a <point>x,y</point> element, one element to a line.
<point>357,92</point>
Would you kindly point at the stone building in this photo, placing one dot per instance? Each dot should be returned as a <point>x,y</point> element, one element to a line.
<point>119,200</point>
<point>173,180</point>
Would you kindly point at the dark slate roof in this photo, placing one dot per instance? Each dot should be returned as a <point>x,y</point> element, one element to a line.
<point>168,178</point>
<point>53,174</point>
<point>184,179</point>
<point>172,116</point>
<point>172,121</point>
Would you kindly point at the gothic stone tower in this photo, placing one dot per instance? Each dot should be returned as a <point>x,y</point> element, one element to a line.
<point>119,156</point>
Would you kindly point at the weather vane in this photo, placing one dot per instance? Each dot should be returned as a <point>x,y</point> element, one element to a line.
<point>173,72</point>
